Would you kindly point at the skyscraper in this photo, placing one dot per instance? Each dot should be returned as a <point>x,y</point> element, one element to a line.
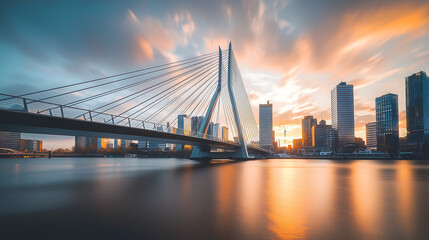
<point>307,123</point>
<point>10,140</point>
<point>323,136</point>
<point>387,118</point>
<point>225,135</point>
<point>417,108</point>
<point>371,135</point>
<point>84,143</point>
<point>266,125</point>
<point>183,124</point>
<point>342,110</point>
<point>196,124</point>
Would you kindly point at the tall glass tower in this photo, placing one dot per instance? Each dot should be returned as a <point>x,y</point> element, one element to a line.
<point>417,105</point>
<point>342,111</point>
<point>387,118</point>
<point>266,125</point>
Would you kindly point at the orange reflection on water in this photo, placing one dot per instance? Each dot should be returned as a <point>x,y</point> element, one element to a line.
<point>405,193</point>
<point>225,181</point>
<point>285,198</point>
<point>250,183</point>
<point>365,195</point>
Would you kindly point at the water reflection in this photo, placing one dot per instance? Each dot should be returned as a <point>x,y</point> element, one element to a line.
<point>178,198</point>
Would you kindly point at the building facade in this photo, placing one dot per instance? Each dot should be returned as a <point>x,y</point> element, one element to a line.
<point>225,135</point>
<point>342,111</point>
<point>323,137</point>
<point>417,108</point>
<point>10,140</point>
<point>31,145</point>
<point>85,143</point>
<point>196,124</point>
<point>266,125</point>
<point>387,117</point>
<point>371,135</point>
<point>183,124</point>
<point>307,124</point>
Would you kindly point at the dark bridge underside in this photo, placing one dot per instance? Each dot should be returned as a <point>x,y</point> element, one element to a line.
<point>43,124</point>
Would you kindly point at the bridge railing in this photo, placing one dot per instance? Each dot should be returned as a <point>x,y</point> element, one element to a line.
<point>17,103</point>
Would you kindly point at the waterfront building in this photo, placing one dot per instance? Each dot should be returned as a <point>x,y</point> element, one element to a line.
<point>307,123</point>
<point>387,117</point>
<point>371,135</point>
<point>297,145</point>
<point>10,140</point>
<point>183,124</point>
<point>184,128</point>
<point>323,137</point>
<point>417,109</point>
<point>196,124</point>
<point>216,130</point>
<point>85,143</point>
<point>225,136</point>
<point>342,111</point>
<point>31,145</point>
<point>266,126</point>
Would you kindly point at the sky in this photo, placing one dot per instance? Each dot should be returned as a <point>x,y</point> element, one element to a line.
<point>291,53</point>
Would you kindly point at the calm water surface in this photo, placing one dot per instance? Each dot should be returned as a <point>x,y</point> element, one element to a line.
<point>108,198</point>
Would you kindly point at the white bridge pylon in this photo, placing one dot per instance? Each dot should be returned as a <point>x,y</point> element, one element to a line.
<point>241,152</point>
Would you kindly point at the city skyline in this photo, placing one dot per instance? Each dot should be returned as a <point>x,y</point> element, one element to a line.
<point>375,47</point>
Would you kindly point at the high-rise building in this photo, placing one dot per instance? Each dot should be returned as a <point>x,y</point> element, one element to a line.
<point>417,108</point>
<point>387,117</point>
<point>371,135</point>
<point>183,124</point>
<point>184,128</point>
<point>297,143</point>
<point>307,123</point>
<point>266,125</point>
<point>10,140</point>
<point>342,110</point>
<point>196,124</point>
<point>225,135</point>
<point>216,130</point>
<point>85,143</point>
<point>323,136</point>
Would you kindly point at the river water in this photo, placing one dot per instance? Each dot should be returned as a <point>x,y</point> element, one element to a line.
<point>131,198</point>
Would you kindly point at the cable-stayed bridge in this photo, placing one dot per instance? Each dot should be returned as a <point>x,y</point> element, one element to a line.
<point>199,101</point>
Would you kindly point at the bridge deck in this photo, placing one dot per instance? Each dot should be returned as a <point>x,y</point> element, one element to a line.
<point>44,124</point>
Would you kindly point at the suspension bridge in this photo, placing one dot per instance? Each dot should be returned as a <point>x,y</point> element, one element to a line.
<point>200,101</point>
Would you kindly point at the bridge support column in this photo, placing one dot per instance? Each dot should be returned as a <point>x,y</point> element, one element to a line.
<point>240,152</point>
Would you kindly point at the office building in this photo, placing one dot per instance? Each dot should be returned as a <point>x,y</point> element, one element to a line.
<point>184,128</point>
<point>216,130</point>
<point>30,145</point>
<point>342,111</point>
<point>307,123</point>
<point>10,140</point>
<point>225,136</point>
<point>417,108</point>
<point>387,118</point>
<point>323,136</point>
<point>196,124</point>
<point>85,143</point>
<point>266,125</point>
<point>371,135</point>
<point>297,143</point>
